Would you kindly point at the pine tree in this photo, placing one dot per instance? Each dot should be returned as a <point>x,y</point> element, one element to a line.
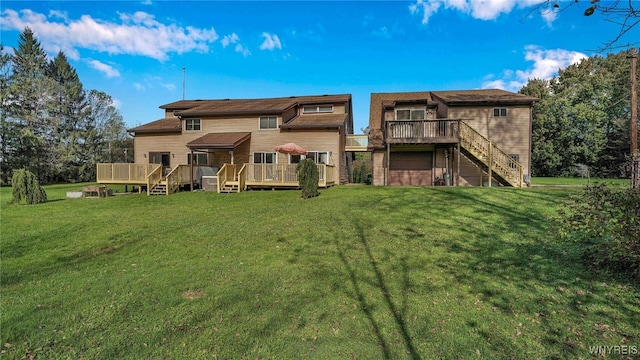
<point>31,98</point>
<point>67,115</point>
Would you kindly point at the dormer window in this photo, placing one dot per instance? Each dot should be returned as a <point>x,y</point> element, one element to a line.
<point>317,109</point>
<point>192,125</point>
<point>410,114</point>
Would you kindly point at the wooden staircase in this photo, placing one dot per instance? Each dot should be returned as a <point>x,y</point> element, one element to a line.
<point>491,159</point>
<point>159,185</point>
<point>230,187</point>
<point>158,189</point>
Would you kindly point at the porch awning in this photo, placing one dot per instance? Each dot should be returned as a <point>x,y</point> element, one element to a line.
<point>224,141</point>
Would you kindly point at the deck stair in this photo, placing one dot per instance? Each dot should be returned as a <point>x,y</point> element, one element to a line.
<point>159,189</point>
<point>230,187</point>
<point>491,159</point>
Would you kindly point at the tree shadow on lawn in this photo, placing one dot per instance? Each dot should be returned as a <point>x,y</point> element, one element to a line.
<point>380,284</point>
<point>522,259</point>
<point>507,256</point>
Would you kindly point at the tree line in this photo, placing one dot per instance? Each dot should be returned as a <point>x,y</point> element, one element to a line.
<point>50,124</point>
<point>583,119</point>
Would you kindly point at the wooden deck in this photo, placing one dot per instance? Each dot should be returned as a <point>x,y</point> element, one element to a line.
<point>474,145</point>
<point>274,176</point>
<point>150,176</point>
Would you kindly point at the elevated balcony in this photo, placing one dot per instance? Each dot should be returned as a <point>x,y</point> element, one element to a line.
<point>357,142</point>
<point>423,132</point>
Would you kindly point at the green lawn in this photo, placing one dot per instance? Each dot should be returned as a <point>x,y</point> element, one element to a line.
<point>358,272</point>
<point>576,181</point>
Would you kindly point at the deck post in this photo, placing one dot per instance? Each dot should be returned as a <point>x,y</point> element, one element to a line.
<point>191,172</point>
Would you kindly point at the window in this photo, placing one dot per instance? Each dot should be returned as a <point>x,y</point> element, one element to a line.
<point>200,159</point>
<point>320,157</point>
<point>314,109</point>
<point>264,158</point>
<point>268,122</point>
<point>410,114</point>
<point>192,124</point>
<point>499,112</point>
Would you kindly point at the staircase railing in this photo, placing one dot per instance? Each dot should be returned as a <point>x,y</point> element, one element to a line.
<point>226,173</point>
<point>154,178</point>
<point>242,177</point>
<point>178,176</point>
<point>493,157</point>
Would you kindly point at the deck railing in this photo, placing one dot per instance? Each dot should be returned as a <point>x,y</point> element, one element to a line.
<point>284,175</point>
<point>124,173</point>
<point>154,178</point>
<point>496,160</point>
<point>422,131</point>
<point>356,142</point>
<point>226,173</point>
<point>180,175</point>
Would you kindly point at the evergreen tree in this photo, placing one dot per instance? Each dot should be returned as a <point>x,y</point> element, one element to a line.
<point>67,111</point>
<point>7,131</point>
<point>30,98</point>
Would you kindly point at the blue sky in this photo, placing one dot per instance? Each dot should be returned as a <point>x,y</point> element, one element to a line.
<point>135,51</point>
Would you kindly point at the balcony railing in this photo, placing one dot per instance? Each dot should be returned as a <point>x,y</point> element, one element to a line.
<point>357,142</point>
<point>423,131</point>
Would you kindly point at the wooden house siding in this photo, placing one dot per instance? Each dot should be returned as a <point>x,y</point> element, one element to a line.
<point>329,137</point>
<point>510,133</point>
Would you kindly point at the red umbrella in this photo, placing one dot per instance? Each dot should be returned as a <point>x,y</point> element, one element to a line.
<point>291,148</point>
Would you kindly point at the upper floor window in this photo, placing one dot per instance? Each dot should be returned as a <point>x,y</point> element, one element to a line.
<point>315,109</point>
<point>268,122</point>
<point>410,114</point>
<point>192,124</point>
<point>499,112</point>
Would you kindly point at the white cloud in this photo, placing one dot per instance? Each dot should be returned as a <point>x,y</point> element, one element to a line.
<point>139,86</point>
<point>478,9</point>
<point>106,69</point>
<point>229,39</point>
<point>242,50</point>
<point>235,39</point>
<point>136,34</point>
<point>271,41</point>
<point>546,64</point>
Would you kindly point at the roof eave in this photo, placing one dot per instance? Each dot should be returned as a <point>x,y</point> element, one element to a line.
<point>228,113</point>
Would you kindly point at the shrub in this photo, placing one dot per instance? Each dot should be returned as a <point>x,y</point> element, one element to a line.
<point>308,178</point>
<point>606,223</point>
<point>26,188</point>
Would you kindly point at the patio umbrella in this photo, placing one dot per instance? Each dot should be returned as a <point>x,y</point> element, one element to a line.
<point>291,148</point>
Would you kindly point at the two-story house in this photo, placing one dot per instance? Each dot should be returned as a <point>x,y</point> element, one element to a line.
<point>239,136</point>
<point>469,137</point>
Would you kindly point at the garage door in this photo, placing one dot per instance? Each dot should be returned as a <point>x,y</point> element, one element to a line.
<point>411,168</point>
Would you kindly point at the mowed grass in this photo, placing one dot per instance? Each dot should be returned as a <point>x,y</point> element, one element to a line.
<point>358,272</point>
<point>578,181</point>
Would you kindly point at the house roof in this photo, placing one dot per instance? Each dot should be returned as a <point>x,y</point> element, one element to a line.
<point>379,101</point>
<point>267,106</point>
<point>316,121</point>
<point>484,96</point>
<point>161,125</point>
<point>219,140</point>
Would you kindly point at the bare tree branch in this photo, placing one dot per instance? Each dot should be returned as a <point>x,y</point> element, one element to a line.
<point>618,12</point>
